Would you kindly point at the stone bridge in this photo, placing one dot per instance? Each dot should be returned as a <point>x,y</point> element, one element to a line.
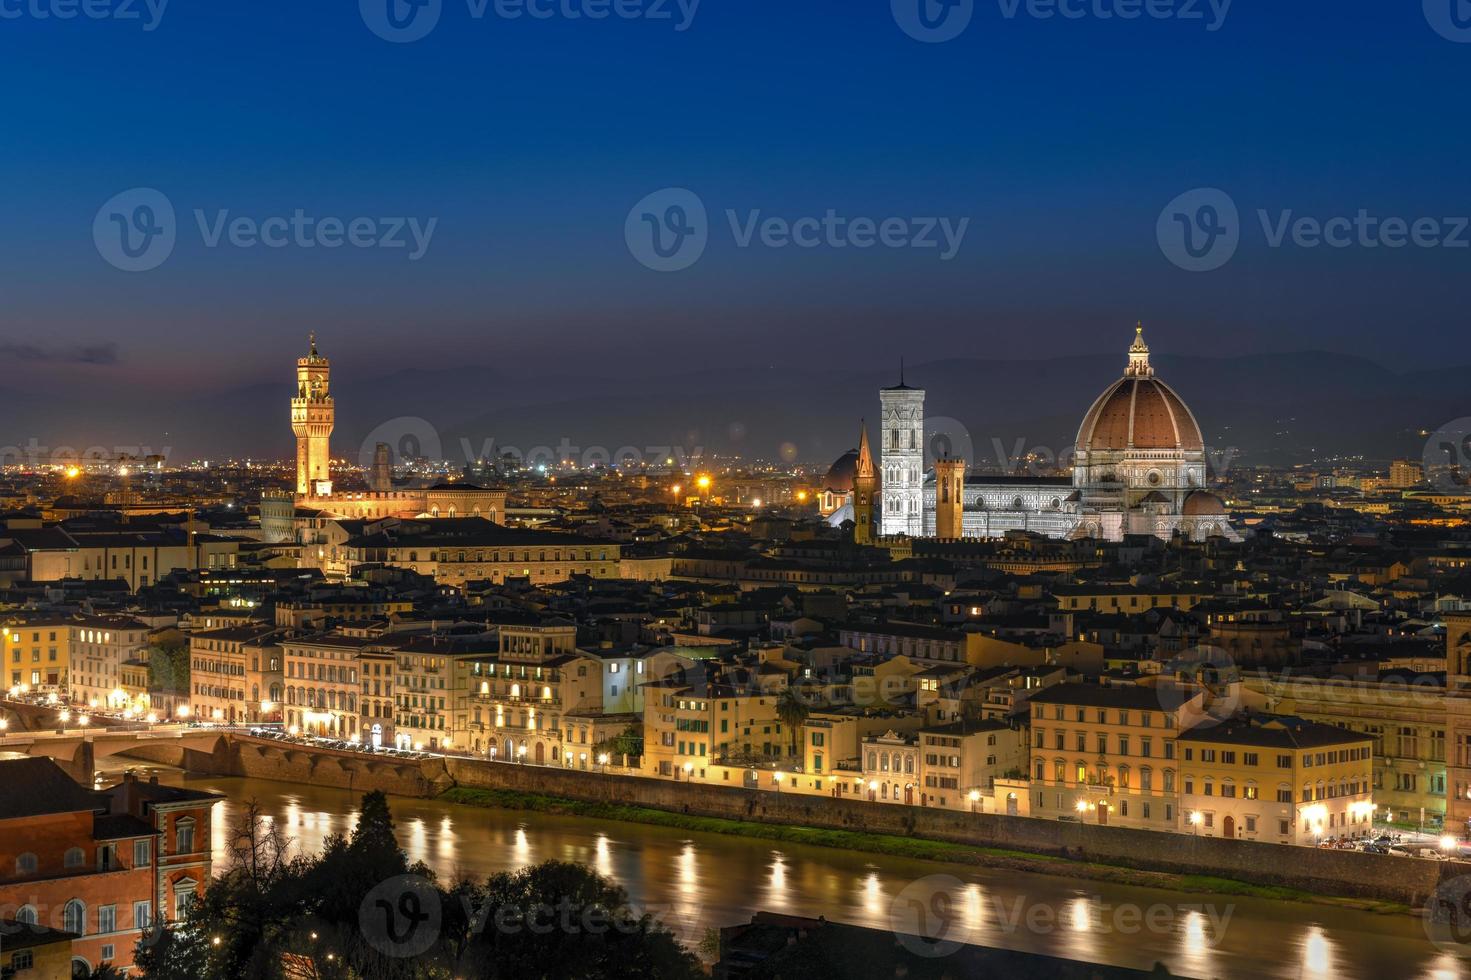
<point>38,731</point>
<point>80,750</point>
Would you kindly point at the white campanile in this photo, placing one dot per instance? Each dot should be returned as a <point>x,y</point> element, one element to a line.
<point>901,454</point>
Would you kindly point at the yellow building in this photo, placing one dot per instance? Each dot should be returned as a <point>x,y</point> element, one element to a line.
<point>1105,753</point>
<point>99,646</point>
<point>1124,598</point>
<point>1275,778</point>
<point>1405,719</point>
<point>1458,720</point>
<point>423,673</point>
<point>688,729</point>
<point>220,681</point>
<point>134,682</point>
<point>38,656</point>
<point>516,701</point>
<point>321,684</point>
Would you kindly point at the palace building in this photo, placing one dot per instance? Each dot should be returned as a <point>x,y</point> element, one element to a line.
<point>301,517</point>
<point>1140,468</point>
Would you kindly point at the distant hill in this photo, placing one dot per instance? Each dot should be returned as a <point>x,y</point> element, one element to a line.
<point>1278,407</point>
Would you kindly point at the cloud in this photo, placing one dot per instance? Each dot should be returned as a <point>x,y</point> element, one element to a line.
<point>85,354</point>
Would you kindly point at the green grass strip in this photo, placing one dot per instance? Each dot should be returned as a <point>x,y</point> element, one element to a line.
<point>905,847</point>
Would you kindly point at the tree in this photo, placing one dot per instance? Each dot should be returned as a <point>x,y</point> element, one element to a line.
<point>558,919</point>
<point>168,667</point>
<point>331,917</point>
<point>792,709</point>
<point>628,743</point>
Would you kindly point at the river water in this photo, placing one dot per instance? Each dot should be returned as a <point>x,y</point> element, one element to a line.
<point>695,881</point>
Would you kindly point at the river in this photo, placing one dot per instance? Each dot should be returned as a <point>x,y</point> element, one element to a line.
<point>695,881</point>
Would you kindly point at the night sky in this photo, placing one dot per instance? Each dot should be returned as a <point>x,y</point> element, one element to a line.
<point>527,142</point>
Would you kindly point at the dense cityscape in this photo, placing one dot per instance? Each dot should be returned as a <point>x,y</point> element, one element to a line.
<point>668,489</point>
<point>1259,655</point>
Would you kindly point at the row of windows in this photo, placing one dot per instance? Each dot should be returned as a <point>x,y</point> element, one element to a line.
<point>28,864</point>
<point>1124,717</point>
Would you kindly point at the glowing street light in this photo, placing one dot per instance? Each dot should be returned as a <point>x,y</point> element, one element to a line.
<point>1195,819</point>
<point>777,778</point>
<point>975,797</point>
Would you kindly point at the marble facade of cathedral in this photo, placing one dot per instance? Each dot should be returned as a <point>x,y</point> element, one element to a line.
<point>1139,468</point>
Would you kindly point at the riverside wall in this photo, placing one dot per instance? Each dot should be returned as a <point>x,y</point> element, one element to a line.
<point>1411,881</point>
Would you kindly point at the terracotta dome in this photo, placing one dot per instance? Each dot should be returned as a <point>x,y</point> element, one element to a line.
<point>839,477</point>
<point>1203,503</point>
<point>1139,411</point>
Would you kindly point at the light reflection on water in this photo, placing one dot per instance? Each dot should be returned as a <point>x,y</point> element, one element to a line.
<point>698,881</point>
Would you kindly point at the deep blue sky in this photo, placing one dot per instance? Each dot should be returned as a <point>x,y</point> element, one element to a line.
<point>529,141</point>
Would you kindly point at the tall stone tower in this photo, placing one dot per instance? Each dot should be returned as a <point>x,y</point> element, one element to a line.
<point>901,454</point>
<point>949,499</point>
<point>865,492</point>
<point>381,478</point>
<point>312,418</point>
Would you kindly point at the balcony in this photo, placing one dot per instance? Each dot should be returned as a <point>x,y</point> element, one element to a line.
<point>493,698</point>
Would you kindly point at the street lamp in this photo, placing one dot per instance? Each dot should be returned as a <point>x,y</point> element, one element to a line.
<point>776,778</point>
<point>975,797</point>
<point>521,753</point>
<point>1195,818</point>
<point>689,767</point>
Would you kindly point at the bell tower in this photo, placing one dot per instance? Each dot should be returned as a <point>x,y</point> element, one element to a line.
<point>901,457</point>
<point>865,490</point>
<point>312,417</point>
<point>949,498</point>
